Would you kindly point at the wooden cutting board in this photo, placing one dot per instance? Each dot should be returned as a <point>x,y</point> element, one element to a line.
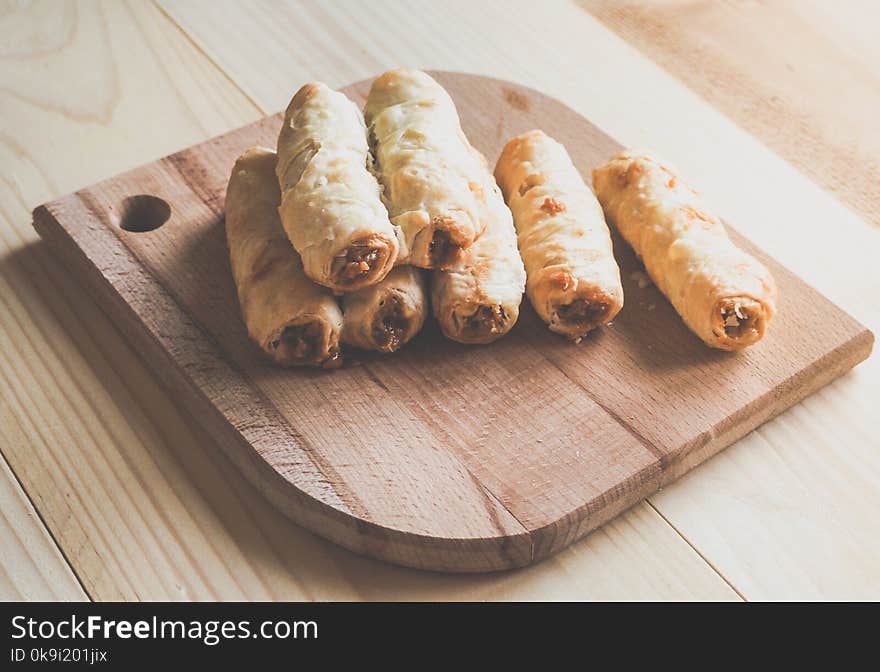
<point>441,456</point>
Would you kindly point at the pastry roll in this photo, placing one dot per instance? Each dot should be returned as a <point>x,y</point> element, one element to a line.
<point>723,294</point>
<point>477,299</point>
<point>572,278</point>
<point>426,165</point>
<point>331,206</point>
<point>291,318</point>
<point>388,314</point>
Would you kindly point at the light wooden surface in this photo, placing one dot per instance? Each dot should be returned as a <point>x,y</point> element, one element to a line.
<point>443,457</point>
<point>801,75</point>
<point>143,506</point>
<point>31,565</point>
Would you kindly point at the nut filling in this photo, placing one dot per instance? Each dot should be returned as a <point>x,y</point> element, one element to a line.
<point>442,251</point>
<point>300,342</point>
<point>360,261</point>
<point>741,319</point>
<point>583,312</point>
<point>391,327</point>
<point>486,320</point>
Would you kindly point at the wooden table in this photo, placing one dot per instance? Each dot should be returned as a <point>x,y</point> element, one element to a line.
<point>107,491</point>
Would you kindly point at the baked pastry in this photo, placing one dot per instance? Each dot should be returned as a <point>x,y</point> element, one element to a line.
<point>293,320</point>
<point>386,315</point>
<point>573,280</point>
<point>426,165</point>
<point>723,294</point>
<point>477,299</point>
<point>331,206</point>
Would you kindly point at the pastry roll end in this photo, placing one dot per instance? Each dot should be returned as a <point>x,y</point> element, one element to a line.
<point>387,315</point>
<point>483,323</point>
<point>439,241</point>
<point>448,239</point>
<point>738,322</point>
<point>572,308</point>
<point>366,261</point>
<point>305,342</point>
<point>392,326</point>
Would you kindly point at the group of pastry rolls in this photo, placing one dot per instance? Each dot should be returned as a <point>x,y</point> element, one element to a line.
<point>331,237</point>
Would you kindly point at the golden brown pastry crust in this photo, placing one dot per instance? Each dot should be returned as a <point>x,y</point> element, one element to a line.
<point>725,295</point>
<point>477,299</point>
<point>387,315</point>
<point>331,205</point>
<point>426,165</point>
<point>573,279</point>
<point>293,320</point>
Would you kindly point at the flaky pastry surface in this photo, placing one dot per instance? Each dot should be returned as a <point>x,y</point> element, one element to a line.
<point>331,205</point>
<point>725,295</point>
<point>573,278</point>
<point>428,169</point>
<point>477,299</point>
<point>293,320</point>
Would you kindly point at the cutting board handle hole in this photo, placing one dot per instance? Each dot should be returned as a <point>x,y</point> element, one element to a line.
<point>143,213</point>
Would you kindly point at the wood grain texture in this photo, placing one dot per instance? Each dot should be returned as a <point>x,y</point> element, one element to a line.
<point>486,458</point>
<point>820,462</point>
<point>785,214</point>
<point>31,566</point>
<point>175,520</point>
<point>144,505</point>
<point>802,75</point>
<point>634,556</point>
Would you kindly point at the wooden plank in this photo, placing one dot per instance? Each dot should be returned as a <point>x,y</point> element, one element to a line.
<point>143,504</point>
<point>820,465</point>
<point>488,458</point>
<point>785,213</point>
<point>31,566</point>
<point>629,558</point>
<point>780,70</point>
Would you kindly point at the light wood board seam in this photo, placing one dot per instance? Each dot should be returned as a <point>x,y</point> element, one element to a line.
<point>26,414</point>
<point>697,551</point>
<point>18,483</point>
<point>204,53</point>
